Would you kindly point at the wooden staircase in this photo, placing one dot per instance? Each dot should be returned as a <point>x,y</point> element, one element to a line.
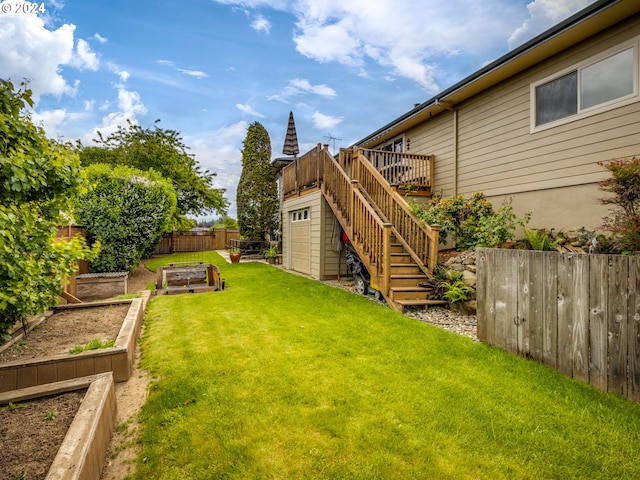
<point>399,250</point>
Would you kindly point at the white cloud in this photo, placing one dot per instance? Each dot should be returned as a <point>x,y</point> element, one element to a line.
<point>324,122</point>
<point>300,86</point>
<point>122,74</point>
<point>129,107</point>
<point>84,57</point>
<point>31,51</point>
<point>50,120</point>
<point>410,39</point>
<point>220,151</point>
<point>261,24</point>
<point>544,14</point>
<point>193,73</point>
<point>99,38</point>
<point>248,109</point>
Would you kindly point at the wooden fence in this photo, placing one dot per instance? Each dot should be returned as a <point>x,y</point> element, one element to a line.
<point>175,242</point>
<point>579,314</point>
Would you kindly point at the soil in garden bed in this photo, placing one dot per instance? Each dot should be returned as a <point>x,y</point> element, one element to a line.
<point>32,432</point>
<point>66,329</point>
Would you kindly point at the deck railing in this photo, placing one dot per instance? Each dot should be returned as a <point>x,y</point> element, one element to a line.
<point>369,234</point>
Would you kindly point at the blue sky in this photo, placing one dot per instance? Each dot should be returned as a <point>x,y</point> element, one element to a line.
<point>209,68</point>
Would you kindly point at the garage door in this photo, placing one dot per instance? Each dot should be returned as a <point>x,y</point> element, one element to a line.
<point>300,240</point>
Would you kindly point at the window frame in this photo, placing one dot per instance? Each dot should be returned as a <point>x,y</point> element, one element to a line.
<point>300,215</point>
<point>628,99</point>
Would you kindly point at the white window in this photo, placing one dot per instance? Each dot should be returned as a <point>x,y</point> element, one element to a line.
<point>601,83</point>
<point>300,215</point>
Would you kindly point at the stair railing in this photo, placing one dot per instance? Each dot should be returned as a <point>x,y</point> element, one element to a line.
<point>418,238</point>
<point>368,233</point>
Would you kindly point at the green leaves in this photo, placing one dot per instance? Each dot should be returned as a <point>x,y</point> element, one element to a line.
<point>624,185</point>
<point>257,195</point>
<point>471,222</point>
<point>38,178</point>
<point>127,210</point>
<point>163,151</point>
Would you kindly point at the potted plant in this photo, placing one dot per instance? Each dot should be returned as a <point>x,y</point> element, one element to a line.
<point>271,254</point>
<point>235,254</point>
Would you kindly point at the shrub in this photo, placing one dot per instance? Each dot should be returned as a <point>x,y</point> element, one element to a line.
<point>471,222</point>
<point>623,222</point>
<point>540,240</point>
<point>127,210</point>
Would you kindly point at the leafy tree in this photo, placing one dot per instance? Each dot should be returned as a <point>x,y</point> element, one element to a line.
<point>38,176</point>
<point>225,222</point>
<point>127,210</point>
<point>163,151</point>
<point>471,222</point>
<point>257,196</point>
<point>624,222</point>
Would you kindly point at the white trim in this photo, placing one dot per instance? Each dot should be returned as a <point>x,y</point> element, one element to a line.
<point>603,107</point>
<point>300,215</point>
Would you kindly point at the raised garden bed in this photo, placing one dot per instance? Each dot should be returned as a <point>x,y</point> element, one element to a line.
<point>33,450</point>
<point>98,286</point>
<point>23,372</point>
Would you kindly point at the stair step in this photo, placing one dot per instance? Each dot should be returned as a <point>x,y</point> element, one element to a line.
<point>405,269</point>
<point>424,303</point>
<point>401,258</point>
<point>402,304</point>
<point>409,293</point>
<point>411,280</point>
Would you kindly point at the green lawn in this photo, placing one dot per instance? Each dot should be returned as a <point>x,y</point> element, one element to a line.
<point>282,377</point>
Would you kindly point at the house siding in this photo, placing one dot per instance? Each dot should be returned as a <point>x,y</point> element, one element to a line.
<point>323,261</point>
<point>545,172</point>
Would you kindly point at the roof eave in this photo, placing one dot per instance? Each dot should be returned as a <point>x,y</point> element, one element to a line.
<point>584,24</point>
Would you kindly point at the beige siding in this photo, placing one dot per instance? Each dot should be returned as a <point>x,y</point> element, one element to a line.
<point>329,265</point>
<point>543,171</point>
<point>291,259</point>
<point>322,261</point>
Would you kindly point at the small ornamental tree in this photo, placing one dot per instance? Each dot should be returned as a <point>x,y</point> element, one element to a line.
<point>623,222</point>
<point>38,177</point>
<point>257,195</point>
<point>127,211</point>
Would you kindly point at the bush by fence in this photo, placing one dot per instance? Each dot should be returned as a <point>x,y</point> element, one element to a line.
<point>579,314</point>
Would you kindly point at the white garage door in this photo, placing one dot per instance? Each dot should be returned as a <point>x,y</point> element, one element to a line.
<point>300,228</point>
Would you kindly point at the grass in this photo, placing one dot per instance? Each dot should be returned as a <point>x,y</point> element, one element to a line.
<point>282,377</point>
<point>95,344</point>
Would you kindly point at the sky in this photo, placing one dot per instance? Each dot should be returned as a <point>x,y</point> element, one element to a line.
<point>210,68</point>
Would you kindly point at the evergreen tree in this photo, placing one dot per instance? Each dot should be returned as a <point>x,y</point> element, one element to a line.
<point>257,196</point>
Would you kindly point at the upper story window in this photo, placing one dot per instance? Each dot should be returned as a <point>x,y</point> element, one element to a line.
<point>596,85</point>
<point>394,146</point>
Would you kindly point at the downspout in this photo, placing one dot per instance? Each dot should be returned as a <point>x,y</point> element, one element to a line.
<point>455,152</point>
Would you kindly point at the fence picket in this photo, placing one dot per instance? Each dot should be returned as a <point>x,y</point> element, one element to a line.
<point>579,314</point>
<point>598,294</point>
<point>617,322</point>
<point>634,328</point>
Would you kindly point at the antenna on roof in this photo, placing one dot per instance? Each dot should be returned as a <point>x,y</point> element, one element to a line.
<point>333,140</point>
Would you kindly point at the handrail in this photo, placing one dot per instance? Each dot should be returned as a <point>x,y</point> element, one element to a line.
<point>419,238</point>
<point>368,233</point>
